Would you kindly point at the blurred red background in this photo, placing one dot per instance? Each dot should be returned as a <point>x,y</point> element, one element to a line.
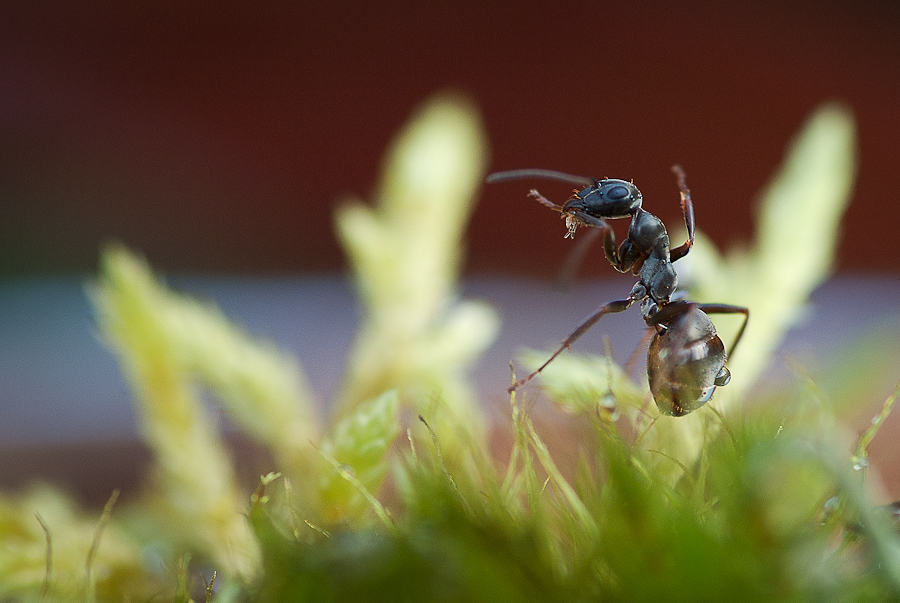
<point>217,136</point>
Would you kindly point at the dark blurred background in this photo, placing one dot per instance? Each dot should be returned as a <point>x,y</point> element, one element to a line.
<point>217,136</point>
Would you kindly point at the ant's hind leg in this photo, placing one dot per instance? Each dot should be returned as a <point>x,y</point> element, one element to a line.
<point>611,308</point>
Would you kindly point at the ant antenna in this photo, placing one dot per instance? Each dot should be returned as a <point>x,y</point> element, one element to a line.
<point>537,173</point>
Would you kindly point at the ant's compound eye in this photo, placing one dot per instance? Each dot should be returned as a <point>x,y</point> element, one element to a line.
<point>617,192</point>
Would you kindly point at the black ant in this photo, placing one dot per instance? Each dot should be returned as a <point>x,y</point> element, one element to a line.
<point>686,360</point>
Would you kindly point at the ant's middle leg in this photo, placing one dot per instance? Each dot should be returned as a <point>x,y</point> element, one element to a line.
<point>611,308</point>
<point>729,309</point>
<point>687,210</point>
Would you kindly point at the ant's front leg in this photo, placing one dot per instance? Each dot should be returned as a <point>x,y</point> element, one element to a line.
<point>609,236</point>
<point>544,200</point>
<point>687,210</point>
<point>573,221</point>
<point>611,308</point>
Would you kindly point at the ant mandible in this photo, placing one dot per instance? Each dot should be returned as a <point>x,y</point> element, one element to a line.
<point>686,359</point>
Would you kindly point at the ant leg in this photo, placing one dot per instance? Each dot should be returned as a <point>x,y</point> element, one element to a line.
<point>599,228</point>
<point>729,309</point>
<point>665,313</point>
<point>687,210</point>
<point>609,236</point>
<point>573,221</point>
<point>611,308</point>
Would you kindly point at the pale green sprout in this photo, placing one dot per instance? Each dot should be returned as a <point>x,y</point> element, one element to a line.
<point>797,234</point>
<point>416,335</point>
<point>798,220</point>
<point>146,323</point>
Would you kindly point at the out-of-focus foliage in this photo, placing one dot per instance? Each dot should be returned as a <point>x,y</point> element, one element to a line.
<point>51,551</point>
<point>361,441</point>
<point>759,505</point>
<point>415,346</point>
<point>405,252</point>
<point>797,226</point>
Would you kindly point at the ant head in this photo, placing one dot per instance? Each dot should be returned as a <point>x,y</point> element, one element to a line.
<point>606,199</point>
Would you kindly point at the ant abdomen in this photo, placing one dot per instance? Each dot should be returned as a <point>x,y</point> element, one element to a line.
<point>686,362</point>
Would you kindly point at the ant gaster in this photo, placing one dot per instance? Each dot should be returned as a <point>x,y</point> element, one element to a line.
<point>686,359</point>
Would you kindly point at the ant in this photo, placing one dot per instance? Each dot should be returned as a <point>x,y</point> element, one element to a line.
<point>686,359</point>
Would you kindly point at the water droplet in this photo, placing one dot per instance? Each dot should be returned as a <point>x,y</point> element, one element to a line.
<point>608,407</point>
<point>608,401</point>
